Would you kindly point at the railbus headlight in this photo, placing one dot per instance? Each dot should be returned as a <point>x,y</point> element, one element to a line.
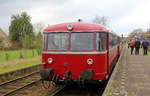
<point>90,61</point>
<point>70,27</point>
<point>49,60</point>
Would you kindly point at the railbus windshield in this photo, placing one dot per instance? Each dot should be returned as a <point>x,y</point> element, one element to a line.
<point>86,41</point>
<point>58,41</point>
<point>82,41</point>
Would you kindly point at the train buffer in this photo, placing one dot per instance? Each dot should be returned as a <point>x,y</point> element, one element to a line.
<point>131,76</point>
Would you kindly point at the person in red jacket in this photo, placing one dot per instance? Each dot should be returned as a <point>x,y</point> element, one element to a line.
<point>132,44</point>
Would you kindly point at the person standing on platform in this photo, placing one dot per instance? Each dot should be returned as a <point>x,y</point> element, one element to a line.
<point>128,44</point>
<point>132,43</point>
<point>145,45</point>
<point>137,46</point>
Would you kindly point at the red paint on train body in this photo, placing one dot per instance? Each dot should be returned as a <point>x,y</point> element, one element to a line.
<point>99,56</point>
<point>77,63</point>
<point>77,27</point>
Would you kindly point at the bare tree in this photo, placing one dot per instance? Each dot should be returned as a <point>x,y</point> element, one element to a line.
<point>136,33</point>
<point>38,27</point>
<point>100,20</point>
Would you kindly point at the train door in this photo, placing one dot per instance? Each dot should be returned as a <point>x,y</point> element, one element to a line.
<point>102,47</point>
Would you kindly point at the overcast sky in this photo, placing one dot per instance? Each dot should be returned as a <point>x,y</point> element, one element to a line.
<point>123,15</point>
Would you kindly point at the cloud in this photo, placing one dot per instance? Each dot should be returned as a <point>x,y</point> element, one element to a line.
<point>123,15</point>
<point>138,17</point>
<point>33,7</point>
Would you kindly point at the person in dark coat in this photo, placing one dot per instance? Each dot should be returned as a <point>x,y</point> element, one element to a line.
<point>128,44</point>
<point>145,45</point>
<point>137,46</point>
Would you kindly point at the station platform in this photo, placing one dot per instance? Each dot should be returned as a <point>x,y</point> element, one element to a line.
<point>131,76</point>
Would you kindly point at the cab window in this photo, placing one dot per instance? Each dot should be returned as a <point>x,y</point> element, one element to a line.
<point>58,41</point>
<point>82,41</point>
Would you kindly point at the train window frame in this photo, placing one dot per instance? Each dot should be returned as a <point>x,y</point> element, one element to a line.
<point>44,41</point>
<point>101,44</point>
<point>67,39</point>
<point>93,42</point>
<point>113,40</point>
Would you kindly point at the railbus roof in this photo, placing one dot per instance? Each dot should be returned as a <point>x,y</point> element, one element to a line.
<point>76,27</point>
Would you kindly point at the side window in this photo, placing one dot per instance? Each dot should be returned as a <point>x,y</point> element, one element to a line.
<point>101,41</point>
<point>110,40</point>
<point>113,40</point>
<point>119,40</point>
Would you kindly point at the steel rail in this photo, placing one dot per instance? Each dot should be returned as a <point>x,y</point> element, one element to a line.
<point>56,90</point>
<point>22,77</point>
<point>22,87</point>
<point>4,84</point>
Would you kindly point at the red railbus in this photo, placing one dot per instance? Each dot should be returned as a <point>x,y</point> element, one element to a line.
<point>77,51</point>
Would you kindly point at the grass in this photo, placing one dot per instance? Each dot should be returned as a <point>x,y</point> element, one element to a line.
<point>41,94</point>
<point>16,54</point>
<point>18,64</point>
<point>109,95</point>
<point>2,79</point>
<point>26,81</point>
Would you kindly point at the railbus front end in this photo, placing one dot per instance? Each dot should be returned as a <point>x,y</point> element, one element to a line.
<point>75,52</point>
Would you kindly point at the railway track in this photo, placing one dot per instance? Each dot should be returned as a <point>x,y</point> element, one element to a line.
<point>56,90</point>
<point>76,91</point>
<point>17,73</point>
<point>13,86</point>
